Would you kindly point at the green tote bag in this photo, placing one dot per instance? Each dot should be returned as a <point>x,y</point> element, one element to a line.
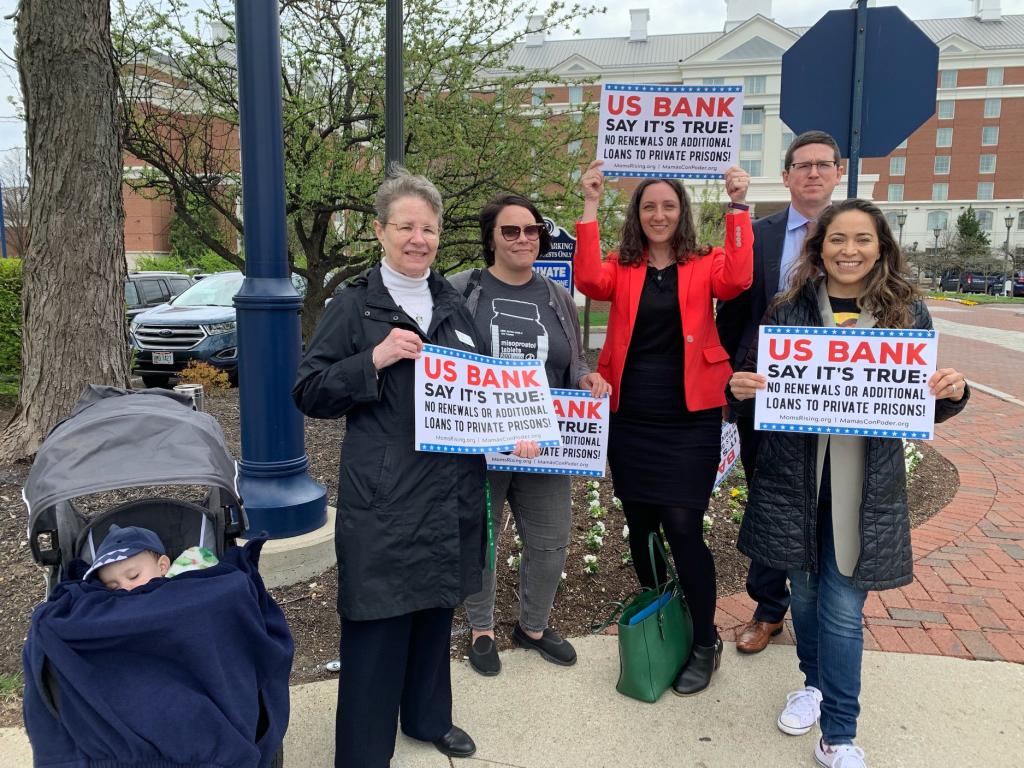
<point>655,635</point>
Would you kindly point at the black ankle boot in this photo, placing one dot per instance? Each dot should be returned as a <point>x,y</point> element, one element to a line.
<point>696,673</point>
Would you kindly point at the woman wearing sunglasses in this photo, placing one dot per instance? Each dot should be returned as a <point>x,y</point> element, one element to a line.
<point>668,372</point>
<point>522,314</point>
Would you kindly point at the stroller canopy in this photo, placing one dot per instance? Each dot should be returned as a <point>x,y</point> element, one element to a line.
<point>118,438</point>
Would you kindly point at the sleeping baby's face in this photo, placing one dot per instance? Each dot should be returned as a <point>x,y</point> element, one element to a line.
<point>134,571</point>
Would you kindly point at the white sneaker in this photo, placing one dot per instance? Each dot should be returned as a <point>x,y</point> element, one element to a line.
<point>803,708</point>
<point>841,756</point>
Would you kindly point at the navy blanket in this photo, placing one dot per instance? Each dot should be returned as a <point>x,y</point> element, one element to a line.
<point>172,673</point>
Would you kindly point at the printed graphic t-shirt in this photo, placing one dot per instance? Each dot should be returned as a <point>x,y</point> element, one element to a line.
<point>845,311</point>
<point>518,323</point>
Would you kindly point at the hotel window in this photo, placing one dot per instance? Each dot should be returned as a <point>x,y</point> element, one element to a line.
<point>897,166</point>
<point>993,107</point>
<point>575,146</point>
<point>713,81</point>
<point>751,142</point>
<point>895,193</point>
<point>994,76</point>
<point>538,96</point>
<point>944,137</point>
<point>754,85</point>
<point>987,164</point>
<point>940,191</point>
<point>753,116</point>
<point>990,135</point>
<point>945,109</point>
<point>984,219</point>
<point>575,94</point>
<point>941,164</point>
<point>947,78</point>
<point>985,192</point>
<point>937,220</point>
<point>753,167</point>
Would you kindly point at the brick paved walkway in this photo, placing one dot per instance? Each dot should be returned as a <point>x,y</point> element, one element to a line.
<point>967,598</point>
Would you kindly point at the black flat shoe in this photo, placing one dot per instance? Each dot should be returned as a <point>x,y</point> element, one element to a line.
<point>483,656</point>
<point>456,743</point>
<point>696,673</point>
<point>551,645</point>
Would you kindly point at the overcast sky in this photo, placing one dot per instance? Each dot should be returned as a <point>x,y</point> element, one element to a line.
<point>667,17</point>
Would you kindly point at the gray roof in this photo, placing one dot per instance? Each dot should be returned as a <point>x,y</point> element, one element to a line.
<point>667,50</point>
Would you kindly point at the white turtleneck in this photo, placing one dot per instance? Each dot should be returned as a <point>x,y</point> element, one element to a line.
<point>410,293</point>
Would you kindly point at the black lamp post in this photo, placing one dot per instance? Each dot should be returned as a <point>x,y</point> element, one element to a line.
<point>1008,221</point>
<point>901,219</point>
<point>937,231</point>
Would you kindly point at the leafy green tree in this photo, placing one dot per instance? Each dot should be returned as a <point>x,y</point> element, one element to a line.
<point>970,244</point>
<point>471,122</point>
<point>187,247</point>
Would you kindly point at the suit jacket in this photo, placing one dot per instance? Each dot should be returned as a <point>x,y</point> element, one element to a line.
<point>738,318</point>
<point>721,274</point>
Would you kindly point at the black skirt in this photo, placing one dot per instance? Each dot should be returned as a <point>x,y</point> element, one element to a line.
<point>660,452</point>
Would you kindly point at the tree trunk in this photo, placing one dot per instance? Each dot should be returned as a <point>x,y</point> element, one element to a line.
<point>73,272</point>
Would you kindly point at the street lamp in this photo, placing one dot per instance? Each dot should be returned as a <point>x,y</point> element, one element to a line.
<point>901,219</point>
<point>917,261</point>
<point>937,231</point>
<point>1008,221</point>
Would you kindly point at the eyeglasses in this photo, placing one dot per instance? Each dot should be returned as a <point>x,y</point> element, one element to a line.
<point>511,231</point>
<point>821,165</point>
<point>408,230</point>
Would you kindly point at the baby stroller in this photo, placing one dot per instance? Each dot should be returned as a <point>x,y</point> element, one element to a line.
<point>191,670</point>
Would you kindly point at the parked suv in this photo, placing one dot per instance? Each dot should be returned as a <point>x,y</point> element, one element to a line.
<point>197,325</point>
<point>144,290</point>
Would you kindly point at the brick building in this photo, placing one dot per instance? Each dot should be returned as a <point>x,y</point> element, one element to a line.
<point>970,153</point>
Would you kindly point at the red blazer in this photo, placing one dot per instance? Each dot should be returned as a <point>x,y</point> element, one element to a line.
<point>721,274</point>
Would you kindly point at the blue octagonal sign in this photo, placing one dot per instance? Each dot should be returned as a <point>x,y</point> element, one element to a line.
<point>901,66</point>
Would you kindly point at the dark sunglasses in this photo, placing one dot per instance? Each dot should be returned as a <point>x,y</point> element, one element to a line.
<point>511,231</point>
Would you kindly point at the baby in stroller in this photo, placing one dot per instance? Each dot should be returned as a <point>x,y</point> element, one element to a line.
<point>159,672</point>
<point>133,556</point>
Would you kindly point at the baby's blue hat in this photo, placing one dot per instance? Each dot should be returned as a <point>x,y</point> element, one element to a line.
<point>122,543</point>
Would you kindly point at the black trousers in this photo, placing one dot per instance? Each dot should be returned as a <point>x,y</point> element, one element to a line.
<point>766,586</point>
<point>391,667</point>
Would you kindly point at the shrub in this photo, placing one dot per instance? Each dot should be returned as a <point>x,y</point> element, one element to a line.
<point>213,380</point>
<point>10,319</point>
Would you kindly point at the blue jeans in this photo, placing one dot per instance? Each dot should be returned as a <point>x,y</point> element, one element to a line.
<point>827,614</point>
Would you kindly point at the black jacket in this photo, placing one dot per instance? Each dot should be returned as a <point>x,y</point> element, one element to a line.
<point>410,528</point>
<point>780,524</point>
<point>739,318</point>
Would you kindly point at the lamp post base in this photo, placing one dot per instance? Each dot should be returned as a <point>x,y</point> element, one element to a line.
<point>282,506</point>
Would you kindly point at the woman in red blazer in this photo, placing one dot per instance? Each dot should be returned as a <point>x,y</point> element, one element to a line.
<point>668,372</point>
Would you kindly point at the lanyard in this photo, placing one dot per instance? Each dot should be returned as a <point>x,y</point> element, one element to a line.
<point>490,526</point>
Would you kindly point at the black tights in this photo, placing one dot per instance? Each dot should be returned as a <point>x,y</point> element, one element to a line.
<point>684,529</point>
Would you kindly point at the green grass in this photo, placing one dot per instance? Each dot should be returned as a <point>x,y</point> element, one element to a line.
<point>8,391</point>
<point>11,685</point>
<point>978,298</point>
<point>596,318</point>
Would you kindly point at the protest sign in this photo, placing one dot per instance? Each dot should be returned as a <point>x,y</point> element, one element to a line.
<point>583,424</point>
<point>669,131</point>
<point>847,381</point>
<point>468,403</point>
<point>730,452</point>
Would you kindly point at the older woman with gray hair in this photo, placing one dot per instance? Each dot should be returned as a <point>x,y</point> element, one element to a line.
<point>410,530</point>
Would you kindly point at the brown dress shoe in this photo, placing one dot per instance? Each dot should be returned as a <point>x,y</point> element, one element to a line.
<point>755,635</point>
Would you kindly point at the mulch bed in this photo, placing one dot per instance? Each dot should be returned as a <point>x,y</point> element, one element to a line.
<point>310,606</point>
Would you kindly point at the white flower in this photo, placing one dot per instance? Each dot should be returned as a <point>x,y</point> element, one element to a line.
<point>625,532</point>
<point>511,559</point>
<point>518,542</point>
<point>590,559</point>
<point>617,502</point>
<point>595,503</point>
<point>599,525</point>
<point>599,540</point>
<point>564,576</point>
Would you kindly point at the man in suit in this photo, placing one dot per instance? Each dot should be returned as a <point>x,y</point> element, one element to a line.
<point>812,170</point>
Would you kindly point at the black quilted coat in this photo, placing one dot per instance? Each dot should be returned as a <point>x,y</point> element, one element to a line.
<point>780,524</point>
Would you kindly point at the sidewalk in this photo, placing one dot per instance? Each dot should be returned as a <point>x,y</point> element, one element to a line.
<point>919,711</point>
